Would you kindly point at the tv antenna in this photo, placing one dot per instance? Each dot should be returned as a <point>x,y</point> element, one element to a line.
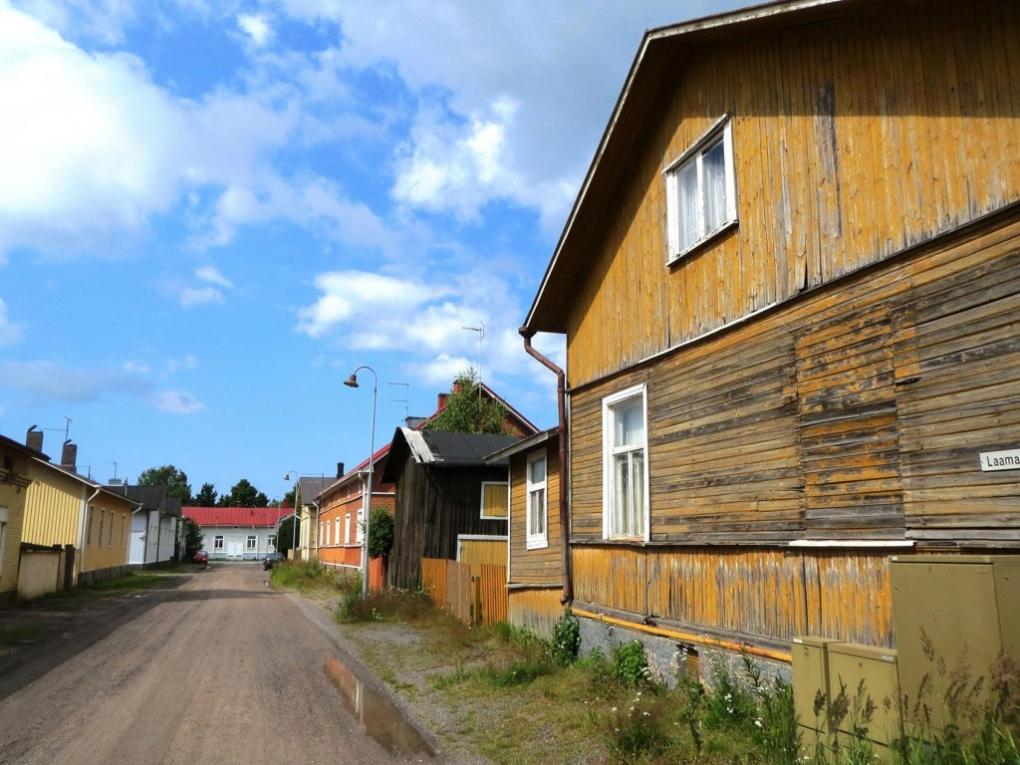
<point>406,400</point>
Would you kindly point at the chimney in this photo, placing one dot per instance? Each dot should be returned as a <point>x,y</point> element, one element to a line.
<point>339,470</point>
<point>441,402</point>
<point>34,439</point>
<point>413,422</point>
<point>69,456</point>
<point>456,386</point>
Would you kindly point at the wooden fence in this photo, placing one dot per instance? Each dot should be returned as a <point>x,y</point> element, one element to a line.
<point>478,599</point>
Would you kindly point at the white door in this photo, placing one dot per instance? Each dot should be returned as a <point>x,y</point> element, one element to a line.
<point>235,548</point>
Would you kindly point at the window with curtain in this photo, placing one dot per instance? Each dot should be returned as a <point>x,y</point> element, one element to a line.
<point>495,499</point>
<point>701,191</point>
<point>625,504</point>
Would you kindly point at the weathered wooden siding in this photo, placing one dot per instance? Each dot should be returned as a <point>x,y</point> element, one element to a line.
<point>479,552</point>
<point>853,139</point>
<point>763,593</point>
<point>536,609</point>
<point>857,411</point>
<point>545,565</point>
<point>433,506</point>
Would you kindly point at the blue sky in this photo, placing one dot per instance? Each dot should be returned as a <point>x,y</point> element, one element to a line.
<point>211,212</point>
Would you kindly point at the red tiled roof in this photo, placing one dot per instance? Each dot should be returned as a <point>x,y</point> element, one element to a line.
<point>236,516</point>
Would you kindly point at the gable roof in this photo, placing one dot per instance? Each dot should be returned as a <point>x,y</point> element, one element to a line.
<point>440,449</point>
<point>661,51</point>
<point>150,498</point>
<point>263,517</point>
<point>309,487</point>
<point>500,456</point>
<point>43,460</point>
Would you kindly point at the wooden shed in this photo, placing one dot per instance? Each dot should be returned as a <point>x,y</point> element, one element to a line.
<point>446,495</point>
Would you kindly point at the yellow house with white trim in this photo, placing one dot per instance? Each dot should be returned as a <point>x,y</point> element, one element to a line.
<point>64,508</point>
<point>14,480</point>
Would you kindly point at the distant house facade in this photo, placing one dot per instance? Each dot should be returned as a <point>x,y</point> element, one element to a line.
<point>306,492</point>
<point>237,533</point>
<point>341,516</point>
<point>447,496</point>
<point>154,537</point>
<point>67,510</point>
<point>790,288</point>
<point>535,574</point>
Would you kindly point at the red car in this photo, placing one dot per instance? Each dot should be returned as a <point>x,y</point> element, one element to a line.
<point>202,558</point>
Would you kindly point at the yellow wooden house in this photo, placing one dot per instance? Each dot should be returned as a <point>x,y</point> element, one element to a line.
<point>15,460</point>
<point>63,508</point>
<point>789,288</point>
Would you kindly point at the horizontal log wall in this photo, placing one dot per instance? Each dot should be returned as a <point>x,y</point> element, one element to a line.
<point>541,566</point>
<point>773,594</point>
<point>853,139</point>
<point>858,411</point>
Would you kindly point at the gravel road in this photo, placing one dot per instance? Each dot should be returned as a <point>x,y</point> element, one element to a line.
<point>220,669</point>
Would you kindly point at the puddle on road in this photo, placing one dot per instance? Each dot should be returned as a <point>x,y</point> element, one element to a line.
<point>376,715</point>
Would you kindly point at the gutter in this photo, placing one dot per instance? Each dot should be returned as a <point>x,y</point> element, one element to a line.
<point>561,407</point>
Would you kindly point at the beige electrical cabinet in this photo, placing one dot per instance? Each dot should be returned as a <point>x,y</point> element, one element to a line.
<point>866,673</point>
<point>951,614</point>
<point>810,677</point>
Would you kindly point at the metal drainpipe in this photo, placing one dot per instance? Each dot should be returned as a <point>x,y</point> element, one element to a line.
<point>561,406</point>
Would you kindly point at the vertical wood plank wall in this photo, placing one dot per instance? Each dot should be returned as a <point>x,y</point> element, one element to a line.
<point>853,139</point>
<point>536,609</point>
<point>774,594</point>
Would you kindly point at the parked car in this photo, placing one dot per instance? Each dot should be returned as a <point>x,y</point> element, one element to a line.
<point>270,560</point>
<point>201,558</point>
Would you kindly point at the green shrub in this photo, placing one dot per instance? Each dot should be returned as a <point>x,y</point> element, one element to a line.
<point>775,730</point>
<point>380,532</point>
<point>728,702</point>
<point>566,640</point>
<point>630,664</point>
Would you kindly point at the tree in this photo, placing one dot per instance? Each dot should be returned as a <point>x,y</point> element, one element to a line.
<point>468,410</point>
<point>206,496</point>
<point>192,535</point>
<point>380,533</point>
<point>288,499</point>
<point>176,481</point>
<point>285,534</point>
<point>244,494</point>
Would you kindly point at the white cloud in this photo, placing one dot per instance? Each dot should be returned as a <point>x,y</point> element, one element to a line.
<point>192,296</point>
<point>137,150</point>
<point>212,275</point>
<point>10,332</point>
<point>442,369</point>
<point>256,27</point>
<point>103,20</point>
<point>515,117</point>
<point>136,367</point>
<point>188,362</point>
<point>177,402</point>
<point>363,296</point>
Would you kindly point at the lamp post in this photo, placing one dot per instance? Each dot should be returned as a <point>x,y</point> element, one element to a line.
<point>293,525</point>
<point>352,382</point>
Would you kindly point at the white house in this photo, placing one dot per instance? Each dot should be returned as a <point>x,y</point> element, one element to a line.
<point>153,525</point>
<point>237,533</point>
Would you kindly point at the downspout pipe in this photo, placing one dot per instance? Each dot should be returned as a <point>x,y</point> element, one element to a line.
<point>561,407</point>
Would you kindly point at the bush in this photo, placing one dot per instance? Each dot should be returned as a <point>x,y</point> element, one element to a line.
<point>729,702</point>
<point>630,665</point>
<point>566,640</point>
<point>380,533</point>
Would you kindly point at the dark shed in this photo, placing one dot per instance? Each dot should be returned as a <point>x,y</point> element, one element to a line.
<point>439,486</point>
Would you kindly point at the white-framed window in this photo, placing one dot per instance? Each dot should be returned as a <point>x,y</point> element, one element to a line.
<point>218,542</point>
<point>109,533</point>
<point>359,527</point>
<point>322,533</point>
<point>336,531</point>
<point>701,191</point>
<point>495,500</point>
<point>625,465</point>
<point>347,529</point>
<point>251,543</point>
<point>102,526</point>
<point>3,535</point>
<point>271,543</point>
<point>537,518</point>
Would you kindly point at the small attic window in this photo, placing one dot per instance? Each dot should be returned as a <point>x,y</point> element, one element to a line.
<point>701,192</point>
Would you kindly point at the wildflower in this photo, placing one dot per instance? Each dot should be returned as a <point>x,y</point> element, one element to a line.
<point>613,709</point>
<point>758,722</point>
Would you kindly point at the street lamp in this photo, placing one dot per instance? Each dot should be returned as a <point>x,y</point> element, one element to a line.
<point>293,525</point>
<point>352,382</point>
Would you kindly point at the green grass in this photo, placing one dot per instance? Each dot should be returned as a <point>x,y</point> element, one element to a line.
<point>308,576</point>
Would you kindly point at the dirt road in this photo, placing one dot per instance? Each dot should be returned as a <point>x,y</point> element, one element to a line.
<point>220,669</point>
